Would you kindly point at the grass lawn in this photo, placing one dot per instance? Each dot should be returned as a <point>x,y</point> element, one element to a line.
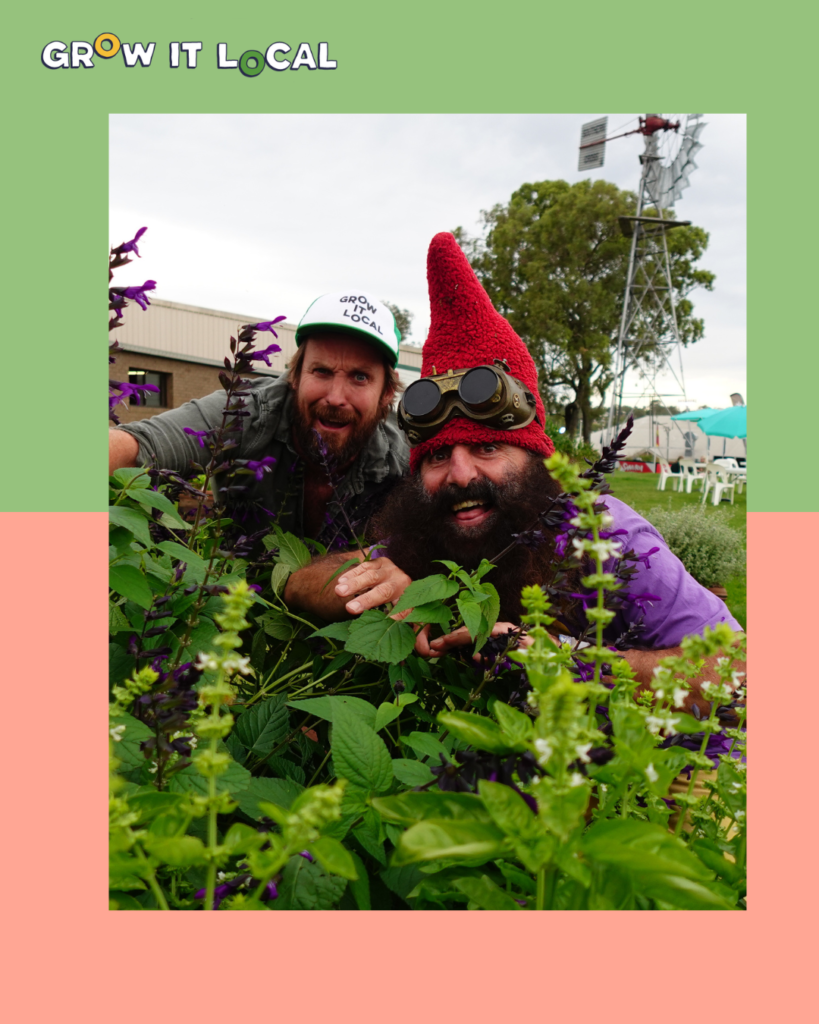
<point>640,491</point>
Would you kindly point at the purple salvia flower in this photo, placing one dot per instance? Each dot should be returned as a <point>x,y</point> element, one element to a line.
<point>137,293</point>
<point>261,466</point>
<point>306,855</point>
<point>200,435</point>
<point>270,892</point>
<point>262,354</point>
<point>131,246</point>
<point>219,894</point>
<point>644,558</point>
<point>640,599</point>
<point>128,390</point>
<point>267,325</point>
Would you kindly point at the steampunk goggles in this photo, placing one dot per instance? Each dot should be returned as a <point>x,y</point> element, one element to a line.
<point>486,394</point>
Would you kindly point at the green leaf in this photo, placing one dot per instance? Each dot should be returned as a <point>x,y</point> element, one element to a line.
<point>359,755</point>
<point>334,858</point>
<point>132,477</point>
<point>197,566</point>
<point>335,631</point>
<point>509,811</point>
<point>561,807</point>
<point>515,725</point>
<point>307,886</point>
<point>242,838</point>
<point>638,846</point>
<point>133,521</point>
<point>177,852</point>
<point>369,834</point>
<point>131,583</point>
<point>117,623</point>
<point>425,744</point>
<point>264,725</point>
<point>127,749</point>
<point>411,773</point>
<point>436,612</point>
<point>475,730</point>
<point>279,577</point>
<point>324,707</point>
<point>234,780</point>
<point>122,901</point>
<point>379,638</point>
<point>470,612</point>
<point>436,840</point>
<point>293,552</point>
<point>409,808</point>
<point>277,624</point>
<point>426,590</point>
<point>360,886</point>
<point>150,803</point>
<point>120,664</point>
<point>486,893</point>
<point>281,792</point>
<point>154,499</point>
<point>388,712</point>
<point>714,858</point>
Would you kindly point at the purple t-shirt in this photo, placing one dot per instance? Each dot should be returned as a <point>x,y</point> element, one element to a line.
<point>684,606</point>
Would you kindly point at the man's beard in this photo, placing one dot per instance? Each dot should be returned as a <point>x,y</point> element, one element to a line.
<point>341,450</point>
<point>419,528</point>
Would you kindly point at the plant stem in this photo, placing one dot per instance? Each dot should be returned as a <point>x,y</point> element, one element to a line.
<point>210,885</point>
<point>148,873</point>
<point>316,772</point>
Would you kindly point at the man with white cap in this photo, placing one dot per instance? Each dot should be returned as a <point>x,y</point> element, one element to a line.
<point>334,401</point>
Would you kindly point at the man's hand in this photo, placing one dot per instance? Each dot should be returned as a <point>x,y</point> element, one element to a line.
<point>460,638</point>
<point>364,586</point>
<point>644,662</point>
<point>371,584</point>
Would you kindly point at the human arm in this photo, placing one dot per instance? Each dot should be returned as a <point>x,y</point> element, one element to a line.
<point>161,440</point>
<point>364,586</point>
<point>642,663</point>
<point>123,450</point>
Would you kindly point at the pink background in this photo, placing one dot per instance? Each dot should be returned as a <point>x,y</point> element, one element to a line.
<point>70,958</point>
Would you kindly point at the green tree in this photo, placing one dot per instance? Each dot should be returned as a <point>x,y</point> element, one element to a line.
<point>554,261</point>
<point>403,319</point>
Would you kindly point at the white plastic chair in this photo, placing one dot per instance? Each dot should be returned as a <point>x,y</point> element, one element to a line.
<point>717,478</point>
<point>737,475</point>
<point>666,474</point>
<point>693,472</point>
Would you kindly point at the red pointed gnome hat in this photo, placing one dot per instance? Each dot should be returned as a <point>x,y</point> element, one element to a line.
<point>466,330</point>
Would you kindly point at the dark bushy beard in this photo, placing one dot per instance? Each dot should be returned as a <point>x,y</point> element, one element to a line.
<point>342,450</point>
<point>419,528</point>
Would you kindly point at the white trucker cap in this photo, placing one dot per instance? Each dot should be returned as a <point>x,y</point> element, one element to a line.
<point>355,314</point>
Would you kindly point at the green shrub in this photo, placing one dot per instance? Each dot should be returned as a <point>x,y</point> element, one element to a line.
<point>703,541</point>
<point>575,448</point>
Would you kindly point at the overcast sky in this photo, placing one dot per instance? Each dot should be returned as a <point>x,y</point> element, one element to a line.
<point>257,214</point>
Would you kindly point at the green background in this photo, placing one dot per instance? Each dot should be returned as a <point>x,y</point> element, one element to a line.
<point>425,57</point>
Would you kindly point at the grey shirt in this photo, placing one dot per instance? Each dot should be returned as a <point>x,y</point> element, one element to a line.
<point>268,431</point>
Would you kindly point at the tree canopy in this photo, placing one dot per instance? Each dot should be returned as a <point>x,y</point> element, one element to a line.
<point>554,262</point>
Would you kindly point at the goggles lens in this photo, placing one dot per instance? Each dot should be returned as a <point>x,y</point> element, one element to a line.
<point>479,386</point>
<point>422,398</point>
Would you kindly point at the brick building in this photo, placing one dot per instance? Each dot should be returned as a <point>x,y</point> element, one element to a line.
<point>181,349</point>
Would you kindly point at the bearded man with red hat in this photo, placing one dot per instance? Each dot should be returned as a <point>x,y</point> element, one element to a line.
<point>475,423</point>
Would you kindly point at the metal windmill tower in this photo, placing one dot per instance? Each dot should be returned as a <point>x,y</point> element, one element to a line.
<point>649,336</point>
